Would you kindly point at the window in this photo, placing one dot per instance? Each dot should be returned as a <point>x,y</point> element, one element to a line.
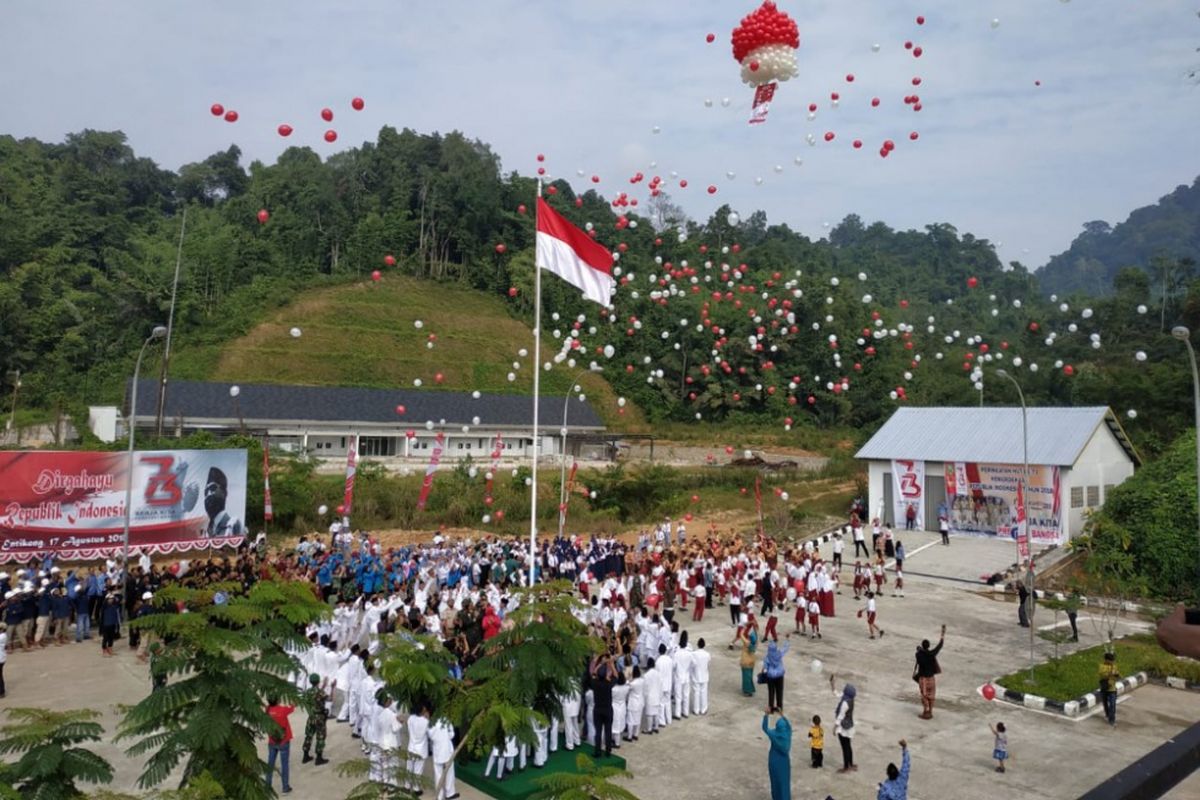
<point>1093,496</point>
<point>343,442</point>
<point>377,446</point>
<point>1076,497</point>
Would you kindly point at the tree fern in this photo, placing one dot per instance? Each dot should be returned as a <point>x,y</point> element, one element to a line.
<point>51,762</point>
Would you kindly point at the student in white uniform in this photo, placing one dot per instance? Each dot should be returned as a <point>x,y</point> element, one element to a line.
<point>385,743</point>
<point>683,677</point>
<point>666,670</point>
<point>653,697</point>
<point>441,741</point>
<point>700,659</point>
<point>570,706</point>
<point>620,704</point>
<point>541,751</point>
<point>635,704</point>
<point>418,746</point>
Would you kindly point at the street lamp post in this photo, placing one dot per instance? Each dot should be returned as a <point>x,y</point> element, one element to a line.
<point>1184,335</point>
<point>562,459</point>
<point>1029,600</point>
<point>158,333</point>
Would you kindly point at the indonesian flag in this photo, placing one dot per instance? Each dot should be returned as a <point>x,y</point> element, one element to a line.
<point>573,256</point>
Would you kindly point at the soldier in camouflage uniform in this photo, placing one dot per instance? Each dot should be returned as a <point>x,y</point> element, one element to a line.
<point>318,715</point>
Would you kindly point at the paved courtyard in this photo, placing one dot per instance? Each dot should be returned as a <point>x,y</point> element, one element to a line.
<point>723,755</point>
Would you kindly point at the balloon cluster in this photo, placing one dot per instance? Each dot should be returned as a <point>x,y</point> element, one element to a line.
<point>765,44</point>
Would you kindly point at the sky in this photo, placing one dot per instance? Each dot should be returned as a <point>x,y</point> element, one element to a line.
<point>610,87</point>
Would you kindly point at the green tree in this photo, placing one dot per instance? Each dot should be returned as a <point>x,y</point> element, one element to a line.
<point>51,762</point>
<point>590,782</point>
<point>226,656</point>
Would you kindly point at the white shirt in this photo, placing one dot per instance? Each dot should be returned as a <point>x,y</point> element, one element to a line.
<point>386,729</point>
<point>441,738</point>
<point>700,659</point>
<point>418,735</point>
<point>683,666</point>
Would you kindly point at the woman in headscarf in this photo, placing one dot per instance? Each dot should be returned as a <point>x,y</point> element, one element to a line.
<point>843,724</point>
<point>773,665</point>
<point>925,672</point>
<point>779,759</point>
<point>749,647</point>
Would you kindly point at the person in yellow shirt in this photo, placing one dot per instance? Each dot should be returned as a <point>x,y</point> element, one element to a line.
<point>817,736</point>
<point>1108,686</point>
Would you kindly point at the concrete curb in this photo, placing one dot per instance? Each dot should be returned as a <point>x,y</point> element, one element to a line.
<point>1068,708</point>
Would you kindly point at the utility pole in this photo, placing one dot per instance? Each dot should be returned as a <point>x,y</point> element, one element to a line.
<point>162,378</point>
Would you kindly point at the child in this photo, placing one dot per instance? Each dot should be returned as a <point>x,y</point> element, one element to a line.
<point>899,591</point>
<point>814,616</point>
<point>817,735</point>
<point>1000,748</point>
<point>871,611</point>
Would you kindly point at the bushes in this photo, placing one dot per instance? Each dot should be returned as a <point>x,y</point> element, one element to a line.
<point>1152,517</point>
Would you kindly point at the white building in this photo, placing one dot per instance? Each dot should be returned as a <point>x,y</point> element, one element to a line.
<point>967,464</point>
<point>324,421</point>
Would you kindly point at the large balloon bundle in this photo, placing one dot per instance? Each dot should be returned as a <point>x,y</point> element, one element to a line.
<point>765,44</point>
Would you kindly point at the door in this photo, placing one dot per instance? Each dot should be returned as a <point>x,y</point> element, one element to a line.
<point>935,496</point>
<point>889,502</point>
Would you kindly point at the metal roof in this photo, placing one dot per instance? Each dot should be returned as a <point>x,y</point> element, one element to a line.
<point>264,404</point>
<point>992,435</point>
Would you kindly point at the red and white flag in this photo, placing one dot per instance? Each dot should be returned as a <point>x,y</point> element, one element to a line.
<point>351,469</point>
<point>763,96</point>
<point>268,514</point>
<point>572,255</point>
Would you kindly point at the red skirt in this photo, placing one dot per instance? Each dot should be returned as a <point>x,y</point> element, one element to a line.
<point>826,601</point>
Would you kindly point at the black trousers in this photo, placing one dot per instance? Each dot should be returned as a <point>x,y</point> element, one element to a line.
<point>708,603</point>
<point>837,560</point>
<point>734,610</point>
<point>602,724</point>
<point>818,757</point>
<point>3,691</point>
<point>847,751</point>
<point>1071,615</point>
<point>768,602</point>
<point>945,537</point>
<point>775,693</point>
<point>109,635</point>
<point>863,545</point>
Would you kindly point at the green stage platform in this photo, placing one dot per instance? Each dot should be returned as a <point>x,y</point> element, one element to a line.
<point>519,785</point>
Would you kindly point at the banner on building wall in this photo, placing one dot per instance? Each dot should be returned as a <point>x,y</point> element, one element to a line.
<point>908,491</point>
<point>983,498</point>
<point>73,503</point>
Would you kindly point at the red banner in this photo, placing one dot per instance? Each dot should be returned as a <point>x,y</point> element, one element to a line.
<point>268,514</point>
<point>763,96</point>
<point>73,503</point>
<point>435,458</point>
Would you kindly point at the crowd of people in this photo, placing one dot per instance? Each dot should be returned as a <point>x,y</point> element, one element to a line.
<point>635,599</point>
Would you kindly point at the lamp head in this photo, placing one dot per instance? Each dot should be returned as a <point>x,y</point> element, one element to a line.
<point>1181,333</point>
<point>159,332</point>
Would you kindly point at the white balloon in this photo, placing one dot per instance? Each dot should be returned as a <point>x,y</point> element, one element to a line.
<point>609,351</point>
<point>487,518</point>
<point>234,391</point>
<point>1140,355</point>
<point>995,22</point>
<point>295,333</point>
<point>621,402</point>
<point>322,510</point>
<point>784,496</point>
<point>417,382</point>
<point>475,395</point>
<point>816,665</point>
<point>1142,309</point>
<point>1131,414</point>
<point>418,324</point>
<point>733,219</point>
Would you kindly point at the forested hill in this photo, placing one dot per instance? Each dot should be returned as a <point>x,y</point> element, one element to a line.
<point>1163,239</point>
<point>728,319</point>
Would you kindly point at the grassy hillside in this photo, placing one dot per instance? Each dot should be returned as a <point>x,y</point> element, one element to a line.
<point>364,334</point>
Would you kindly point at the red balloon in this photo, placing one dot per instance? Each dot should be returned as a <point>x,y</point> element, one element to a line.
<point>916,81</point>
<point>857,144</point>
<point>263,216</point>
<point>829,136</point>
<point>850,78</point>
<point>989,692</point>
<point>501,249</point>
<point>578,201</point>
<point>390,260</point>
<point>812,107</point>
<point>512,291</point>
<point>683,184</point>
<point>551,190</point>
<point>285,130</point>
<point>217,109</point>
<point>917,52</point>
<point>376,276</point>
<point>231,116</point>
<point>357,104</point>
<point>327,114</point>
<point>595,179</point>
<point>754,66</point>
<point>541,157</point>
<point>331,135</point>
<point>914,136</point>
<point>874,102</point>
<point>500,515</point>
<point>972,282</point>
<point>400,410</point>
<point>695,498</point>
<point>438,378</point>
<point>1068,370</point>
<point>835,96</point>
<point>521,209</point>
<point>1033,326</point>
<point>710,38</point>
<point>712,189</point>
<point>687,517</point>
<point>410,434</point>
<point>920,20</point>
<point>340,509</point>
<point>908,45</point>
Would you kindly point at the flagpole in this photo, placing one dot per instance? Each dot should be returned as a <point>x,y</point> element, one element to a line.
<point>537,374</point>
